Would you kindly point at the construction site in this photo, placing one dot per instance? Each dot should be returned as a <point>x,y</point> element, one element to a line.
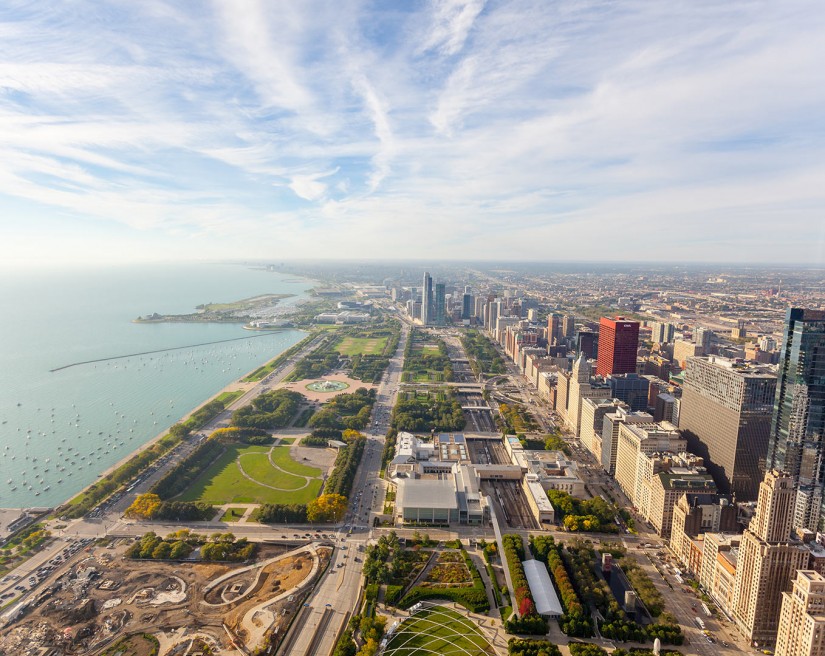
<point>105,603</point>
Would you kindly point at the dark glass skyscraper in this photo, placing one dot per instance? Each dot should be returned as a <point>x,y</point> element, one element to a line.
<point>427,305</point>
<point>467,305</point>
<point>440,304</point>
<point>798,425</point>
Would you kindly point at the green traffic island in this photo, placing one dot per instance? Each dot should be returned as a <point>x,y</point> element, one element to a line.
<point>242,311</point>
<point>532,647</point>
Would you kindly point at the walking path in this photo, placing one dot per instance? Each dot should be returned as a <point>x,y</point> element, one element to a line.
<point>307,479</point>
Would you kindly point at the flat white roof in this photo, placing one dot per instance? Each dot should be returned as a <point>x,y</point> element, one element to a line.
<point>418,493</point>
<point>540,496</point>
<point>544,594</point>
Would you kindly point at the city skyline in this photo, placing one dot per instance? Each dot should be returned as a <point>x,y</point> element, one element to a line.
<point>149,132</point>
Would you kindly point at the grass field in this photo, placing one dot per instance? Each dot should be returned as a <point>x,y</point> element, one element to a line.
<point>438,630</point>
<point>280,456</point>
<point>362,345</point>
<point>422,377</point>
<point>223,482</point>
<point>232,514</point>
<point>228,397</point>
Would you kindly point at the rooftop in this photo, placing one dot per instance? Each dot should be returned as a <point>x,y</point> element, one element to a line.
<point>544,594</point>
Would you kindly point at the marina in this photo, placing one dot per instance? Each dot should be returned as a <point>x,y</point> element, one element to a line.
<point>59,430</point>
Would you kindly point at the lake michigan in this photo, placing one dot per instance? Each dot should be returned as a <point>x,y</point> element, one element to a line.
<point>59,431</point>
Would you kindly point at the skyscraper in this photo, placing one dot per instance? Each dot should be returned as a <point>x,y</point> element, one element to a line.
<point>630,388</point>
<point>726,415</point>
<point>798,426</point>
<point>802,620</point>
<point>554,328</point>
<point>767,560</point>
<point>427,309</point>
<point>467,305</point>
<point>618,345</point>
<point>586,343</point>
<point>440,304</point>
<point>568,325</point>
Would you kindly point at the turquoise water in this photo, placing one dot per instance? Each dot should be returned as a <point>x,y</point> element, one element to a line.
<point>59,430</point>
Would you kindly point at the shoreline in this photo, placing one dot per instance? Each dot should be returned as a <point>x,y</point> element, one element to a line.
<point>289,302</point>
<point>231,387</point>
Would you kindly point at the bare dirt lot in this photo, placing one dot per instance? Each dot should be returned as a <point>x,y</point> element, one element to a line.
<point>103,598</point>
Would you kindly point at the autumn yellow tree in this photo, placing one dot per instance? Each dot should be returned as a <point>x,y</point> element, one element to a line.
<point>327,508</point>
<point>349,435</point>
<point>143,507</point>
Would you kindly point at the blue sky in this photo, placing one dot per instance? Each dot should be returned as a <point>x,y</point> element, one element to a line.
<point>546,130</point>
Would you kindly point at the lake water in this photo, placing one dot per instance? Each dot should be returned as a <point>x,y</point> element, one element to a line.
<point>59,430</point>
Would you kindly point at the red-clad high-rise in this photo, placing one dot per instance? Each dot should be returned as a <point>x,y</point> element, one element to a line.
<point>618,344</point>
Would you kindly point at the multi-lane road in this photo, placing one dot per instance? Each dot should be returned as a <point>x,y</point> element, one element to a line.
<point>336,596</point>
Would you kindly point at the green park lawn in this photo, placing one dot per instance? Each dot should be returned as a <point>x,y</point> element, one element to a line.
<point>228,397</point>
<point>232,514</point>
<point>438,630</point>
<point>281,457</point>
<point>222,482</point>
<point>362,345</point>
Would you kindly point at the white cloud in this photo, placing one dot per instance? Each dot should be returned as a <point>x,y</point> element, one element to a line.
<point>308,187</point>
<point>452,22</point>
<point>501,128</point>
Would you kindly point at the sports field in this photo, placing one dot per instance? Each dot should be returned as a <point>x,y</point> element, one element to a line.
<point>362,345</point>
<point>438,630</point>
<point>255,474</point>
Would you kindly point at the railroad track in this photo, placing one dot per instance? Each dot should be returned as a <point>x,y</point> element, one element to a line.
<point>516,512</point>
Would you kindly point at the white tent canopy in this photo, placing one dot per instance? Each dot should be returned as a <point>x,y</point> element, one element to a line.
<point>544,594</point>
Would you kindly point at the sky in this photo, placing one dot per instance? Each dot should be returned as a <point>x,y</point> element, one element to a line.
<point>690,130</point>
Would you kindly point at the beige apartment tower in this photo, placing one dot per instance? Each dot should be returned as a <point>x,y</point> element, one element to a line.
<point>768,561</point>
<point>802,620</point>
